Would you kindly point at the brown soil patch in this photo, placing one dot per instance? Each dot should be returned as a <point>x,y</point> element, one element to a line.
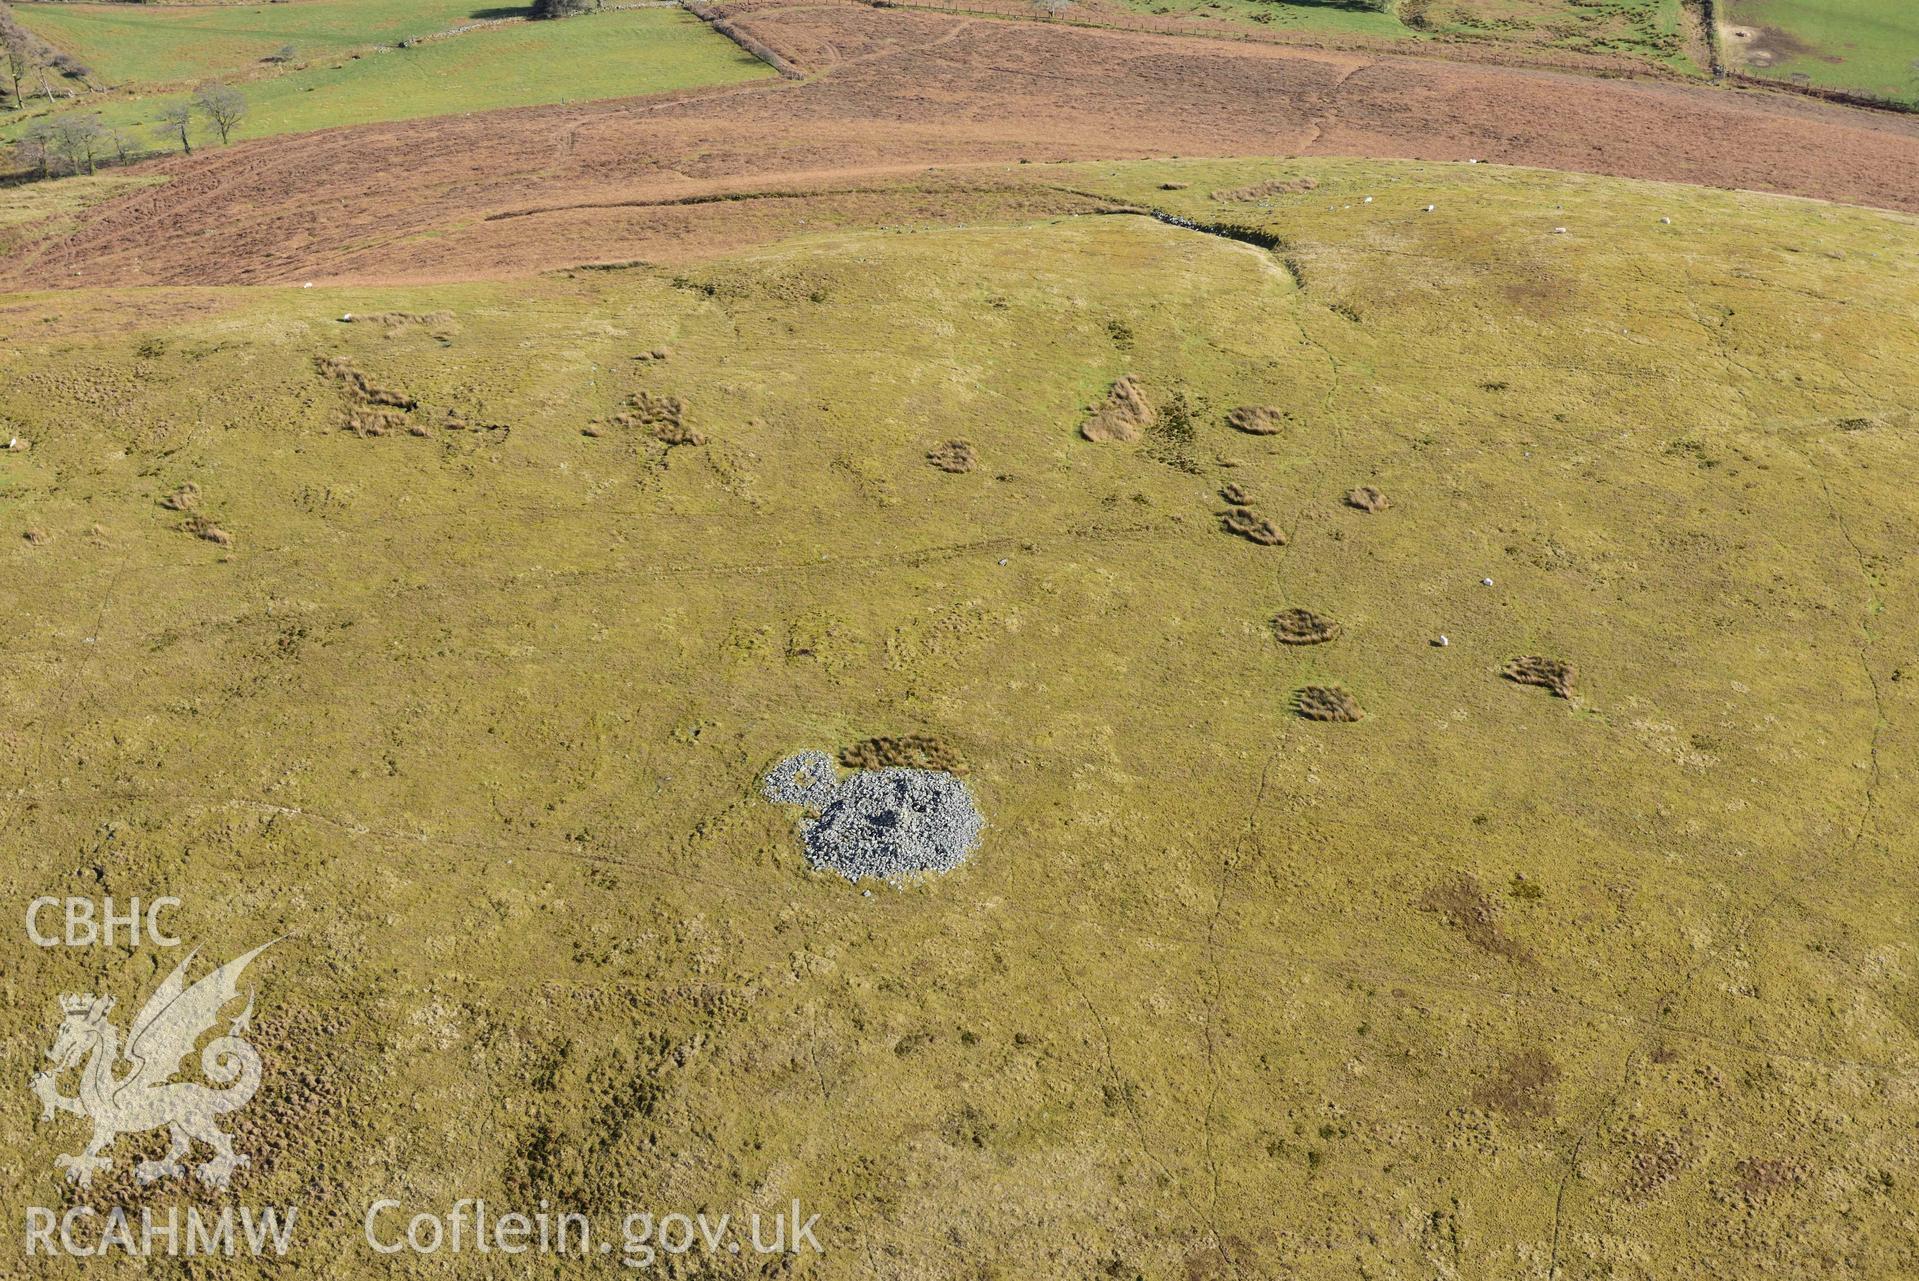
<point>185,498</point>
<point>490,195</point>
<point>1271,187</point>
<point>954,456</point>
<point>1326,703</point>
<point>912,751</point>
<point>1235,494</point>
<point>201,527</point>
<point>1303,627</point>
<point>341,370</point>
<point>1223,1261</point>
<point>1656,1161</point>
<point>372,410</point>
<point>1522,1087</point>
<point>1550,673</point>
<point>1257,420</point>
<point>1759,47</point>
<point>1759,1179</point>
<point>1367,499</point>
<point>374,422</point>
<point>1249,524</point>
<point>663,416</point>
<point>438,323</point>
<point>1463,906</point>
<point>1124,416</point>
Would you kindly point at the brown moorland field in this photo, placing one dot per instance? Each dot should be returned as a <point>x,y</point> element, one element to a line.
<point>892,94</point>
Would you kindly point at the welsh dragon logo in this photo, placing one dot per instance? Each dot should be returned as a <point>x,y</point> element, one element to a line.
<point>132,1090</point>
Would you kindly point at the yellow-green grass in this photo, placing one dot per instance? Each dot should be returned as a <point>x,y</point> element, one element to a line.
<point>41,209</point>
<point>166,44</point>
<point>1863,46</point>
<point>477,716</point>
<point>610,55</point>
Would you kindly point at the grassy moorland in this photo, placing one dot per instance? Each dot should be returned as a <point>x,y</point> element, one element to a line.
<point>471,703</point>
<point>525,64</point>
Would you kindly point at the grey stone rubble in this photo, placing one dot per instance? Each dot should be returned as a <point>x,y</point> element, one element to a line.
<point>892,824</point>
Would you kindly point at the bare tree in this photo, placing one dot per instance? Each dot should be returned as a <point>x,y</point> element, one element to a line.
<point>78,141</point>
<point>41,60</point>
<point>223,106</point>
<point>35,148</point>
<point>23,58</point>
<point>176,124</point>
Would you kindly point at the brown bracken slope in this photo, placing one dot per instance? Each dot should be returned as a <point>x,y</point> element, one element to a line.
<point>894,93</point>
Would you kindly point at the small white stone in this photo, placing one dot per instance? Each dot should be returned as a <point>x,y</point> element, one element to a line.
<point>1002,560</point>
<point>347,318</point>
<point>1442,641</point>
<point>1559,231</point>
<point>1430,208</point>
<point>1367,201</point>
<point>1666,221</point>
<point>1485,582</point>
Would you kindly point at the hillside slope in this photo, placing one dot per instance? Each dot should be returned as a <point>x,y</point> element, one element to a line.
<point>472,693</point>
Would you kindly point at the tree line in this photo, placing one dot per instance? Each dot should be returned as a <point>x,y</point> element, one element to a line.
<point>80,142</point>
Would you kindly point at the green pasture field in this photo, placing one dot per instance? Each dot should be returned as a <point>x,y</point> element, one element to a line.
<point>1642,30</point>
<point>140,45</point>
<point>1861,46</point>
<point>600,56</point>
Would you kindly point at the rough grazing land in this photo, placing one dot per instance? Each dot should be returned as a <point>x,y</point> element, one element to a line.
<point>520,191</point>
<point>1486,983</point>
